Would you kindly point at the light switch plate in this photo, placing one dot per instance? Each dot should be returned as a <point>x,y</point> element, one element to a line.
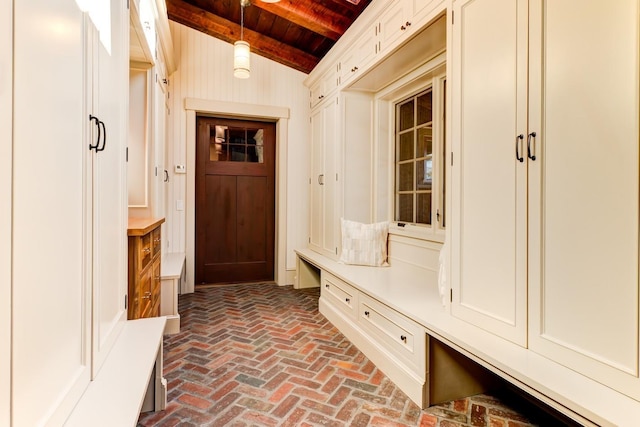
<point>181,169</point>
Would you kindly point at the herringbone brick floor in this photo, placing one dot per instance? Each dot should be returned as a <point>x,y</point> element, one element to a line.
<point>262,355</point>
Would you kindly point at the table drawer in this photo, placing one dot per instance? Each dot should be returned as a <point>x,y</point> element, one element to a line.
<point>397,333</point>
<point>339,294</point>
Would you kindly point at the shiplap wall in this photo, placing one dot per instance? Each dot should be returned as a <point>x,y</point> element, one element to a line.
<point>205,71</point>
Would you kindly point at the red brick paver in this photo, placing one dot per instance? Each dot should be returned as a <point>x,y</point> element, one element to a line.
<point>262,355</point>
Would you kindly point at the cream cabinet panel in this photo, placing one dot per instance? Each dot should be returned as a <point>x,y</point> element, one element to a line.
<point>392,25</point>
<point>357,59</point>
<point>324,87</point>
<point>51,329</point>
<point>489,182</point>
<point>324,222</point>
<point>423,10</point>
<point>584,188</point>
<point>109,198</point>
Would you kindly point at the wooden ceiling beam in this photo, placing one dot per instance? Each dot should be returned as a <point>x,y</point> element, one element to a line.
<point>228,31</point>
<point>310,15</point>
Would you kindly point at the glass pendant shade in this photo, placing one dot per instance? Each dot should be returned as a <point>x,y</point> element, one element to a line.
<point>241,60</point>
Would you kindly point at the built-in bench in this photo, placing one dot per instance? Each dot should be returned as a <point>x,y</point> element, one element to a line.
<point>130,380</point>
<point>172,271</point>
<point>371,305</point>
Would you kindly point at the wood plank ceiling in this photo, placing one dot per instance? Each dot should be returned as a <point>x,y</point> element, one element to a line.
<point>296,33</point>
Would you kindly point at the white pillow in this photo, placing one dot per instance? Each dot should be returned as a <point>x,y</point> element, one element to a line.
<point>364,244</point>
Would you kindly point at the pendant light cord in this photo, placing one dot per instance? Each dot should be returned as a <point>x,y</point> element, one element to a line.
<point>241,21</point>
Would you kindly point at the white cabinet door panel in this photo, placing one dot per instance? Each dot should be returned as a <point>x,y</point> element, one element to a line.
<point>317,167</point>
<point>489,229</point>
<point>584,199</point>
<point>51,275</point>
<point>109,198</point>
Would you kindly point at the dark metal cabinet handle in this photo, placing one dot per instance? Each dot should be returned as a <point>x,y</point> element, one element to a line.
<point>166,176</point>
<point>366,313</point>
<point>91,119</point>
<point>347,299</point>
<point>104,136</point>
<point>321,179</point>
<point>519,140</point>
<point>326,285</point>
<point>531,156</point>
<point>403,338</point>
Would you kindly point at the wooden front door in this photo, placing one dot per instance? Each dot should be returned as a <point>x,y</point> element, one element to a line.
<point>235,201</point>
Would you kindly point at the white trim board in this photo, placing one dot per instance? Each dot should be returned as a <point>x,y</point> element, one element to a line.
<point>280,115</point>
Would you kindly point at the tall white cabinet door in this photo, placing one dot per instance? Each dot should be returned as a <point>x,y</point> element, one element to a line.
<point>316,189</point>
<point>111,76</point>
<point>489,182</point>
<point>51,246</point>
<point>584,188</point>
<point>331,221</point>
<point>323,220</point>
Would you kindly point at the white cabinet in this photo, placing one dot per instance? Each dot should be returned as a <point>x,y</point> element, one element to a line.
<point>393,24</point>
<point>109,86</point>
<point>545,183</point>
<point>356,60</point>
<point>583,188</point>
<point>323,180</point>
<point>69,251</point>
<point>324,87</point>
<point>489,184</point>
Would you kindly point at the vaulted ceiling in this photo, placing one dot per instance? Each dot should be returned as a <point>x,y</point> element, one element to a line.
<point>296,33</point>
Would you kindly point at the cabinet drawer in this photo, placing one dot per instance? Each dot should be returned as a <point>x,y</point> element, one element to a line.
<point>156,241</point>
<point>339,294</point>
<point>145,293</point>
<point>395,332</point>
<point>144,251</point>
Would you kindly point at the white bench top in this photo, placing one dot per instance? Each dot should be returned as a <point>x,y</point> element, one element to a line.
<point>114,398</point>
<point>403,287</point>
<point>171,266</point>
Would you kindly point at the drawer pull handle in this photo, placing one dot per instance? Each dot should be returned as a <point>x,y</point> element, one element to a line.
<point>146,250</point>
<point>147,295</point>
<point>347,299</point>
<point>326,285</point>
<point>403,338</point>
<point>366,313</point>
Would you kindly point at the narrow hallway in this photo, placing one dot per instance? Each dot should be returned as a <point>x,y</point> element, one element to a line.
<point>262,355</point>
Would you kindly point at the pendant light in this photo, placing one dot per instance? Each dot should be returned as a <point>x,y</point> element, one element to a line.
<point>241,52</point>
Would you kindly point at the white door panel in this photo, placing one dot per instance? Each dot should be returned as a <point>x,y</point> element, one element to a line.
<point>51,277</point>
<point>584,233</point>
<point>489,279</point>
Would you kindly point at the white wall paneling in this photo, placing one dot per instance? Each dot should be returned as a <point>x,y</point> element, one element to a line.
<point>6,145</point>
<point>205,72</point>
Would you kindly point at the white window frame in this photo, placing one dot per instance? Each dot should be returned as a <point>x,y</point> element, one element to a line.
<point>432,75</point>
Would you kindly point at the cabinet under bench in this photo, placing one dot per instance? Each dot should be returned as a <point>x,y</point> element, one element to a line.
<point>397,318</point>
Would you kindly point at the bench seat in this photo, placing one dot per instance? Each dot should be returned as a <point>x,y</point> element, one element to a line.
<point>130,376</point>
<point>408,290</point>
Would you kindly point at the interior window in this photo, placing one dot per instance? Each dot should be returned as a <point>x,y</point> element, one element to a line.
<point>419,159</point>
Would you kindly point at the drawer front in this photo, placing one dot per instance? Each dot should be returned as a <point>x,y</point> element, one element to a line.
<point>145,293</point>
<point>339,294</point>
<point>395,332</point>
<point>156,241</point>
<point>155,288</point>
<point>144,251</point>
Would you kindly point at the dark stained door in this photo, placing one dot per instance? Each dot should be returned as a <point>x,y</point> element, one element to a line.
<point>235,201</point>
